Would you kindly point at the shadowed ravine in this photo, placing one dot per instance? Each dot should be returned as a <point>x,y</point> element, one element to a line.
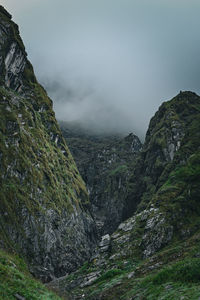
<point>112,219</point>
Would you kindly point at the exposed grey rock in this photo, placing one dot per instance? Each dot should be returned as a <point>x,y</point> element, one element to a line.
<point>104,243</point>
<point>174,140</point>
<point>105,165</point>
<point>90,278</point>
<point>169,287</point>
<point>115,256</point>
<point>131,275</point>
<point>14,64</point>
<point>127,225</point>
<point>122,239</point>
<point>156,266</point>
<point>115,235</point>
<point>157,235</point>
<point>19,297</point>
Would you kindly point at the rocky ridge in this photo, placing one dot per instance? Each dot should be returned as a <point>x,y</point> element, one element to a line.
<point>45,213</point>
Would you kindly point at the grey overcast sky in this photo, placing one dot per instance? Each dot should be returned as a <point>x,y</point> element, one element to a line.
<point>110,63</point>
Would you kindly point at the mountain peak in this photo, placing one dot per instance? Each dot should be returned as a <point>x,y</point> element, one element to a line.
<point>187,93</point>
<point>5,12</point>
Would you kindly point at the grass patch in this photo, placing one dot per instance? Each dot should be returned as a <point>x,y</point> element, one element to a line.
<point>109,275</point>
<point>119,170</point>
<point>15,279</point>
<point>187,271</point>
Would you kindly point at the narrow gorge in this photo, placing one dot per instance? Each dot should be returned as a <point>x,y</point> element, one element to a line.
<point>111,218</point>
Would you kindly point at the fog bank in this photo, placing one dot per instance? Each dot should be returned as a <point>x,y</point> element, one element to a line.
<point>110,64</point>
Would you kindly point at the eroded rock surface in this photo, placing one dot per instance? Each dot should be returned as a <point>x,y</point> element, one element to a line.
<point>44,200</point>
<point>105,163</point>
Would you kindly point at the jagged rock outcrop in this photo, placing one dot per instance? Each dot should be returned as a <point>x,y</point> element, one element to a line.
<point>167,132</point>
<point>154,254</point>
<point>157,248</point>
<point>105,163</point>
<point>43,198</point>
<point>171,146</point>
<point>167,147</point>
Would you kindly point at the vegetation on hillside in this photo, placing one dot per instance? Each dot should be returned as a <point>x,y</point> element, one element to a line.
<point>16,281</point>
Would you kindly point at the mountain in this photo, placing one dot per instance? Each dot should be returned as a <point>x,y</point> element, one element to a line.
<point>144,199</point>
<point>44,215</point>
<point>154,254</point>
<point>105,164</point>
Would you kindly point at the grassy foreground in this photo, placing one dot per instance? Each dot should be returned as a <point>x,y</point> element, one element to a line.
<point>16,281</point>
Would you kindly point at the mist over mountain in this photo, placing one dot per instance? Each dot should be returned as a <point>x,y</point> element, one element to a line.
<point>109,217</point>
<point>109,64</point>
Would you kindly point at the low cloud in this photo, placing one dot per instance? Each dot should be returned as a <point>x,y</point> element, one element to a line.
<point>110,64</point>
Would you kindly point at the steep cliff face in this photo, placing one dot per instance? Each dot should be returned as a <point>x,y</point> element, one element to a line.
<point>171,146</point>
<point>43,198</point>
<point>155,253</point>
<point>175,132</point>
<point>105,165</point>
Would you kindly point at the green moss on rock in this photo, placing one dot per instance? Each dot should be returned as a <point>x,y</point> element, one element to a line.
<point>43,198</point>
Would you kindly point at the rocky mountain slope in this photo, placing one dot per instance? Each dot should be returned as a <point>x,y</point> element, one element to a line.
<point>46,216</point>
<point>43,198</point>
<point>155,254</point>
<point>105,164</point>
